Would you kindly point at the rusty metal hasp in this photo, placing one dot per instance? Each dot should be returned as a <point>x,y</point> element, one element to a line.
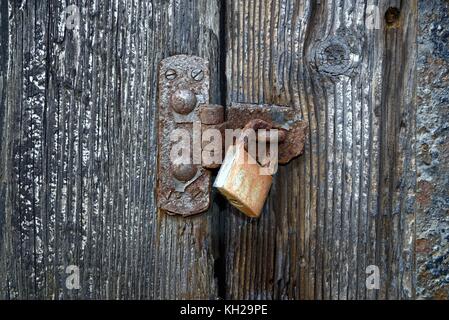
<point>183,86</point>
<point>185,117</point>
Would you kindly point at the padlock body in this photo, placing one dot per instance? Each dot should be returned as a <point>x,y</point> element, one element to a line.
<point>240,181</point>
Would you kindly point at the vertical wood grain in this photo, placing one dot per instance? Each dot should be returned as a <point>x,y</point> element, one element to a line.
<point>4,28</point>
<point>78,151</point>
<point>348,202</point>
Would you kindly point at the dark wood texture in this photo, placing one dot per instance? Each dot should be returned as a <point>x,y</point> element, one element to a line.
<point>78,133</point>
<point>79,151</point>
<point>349,201</point>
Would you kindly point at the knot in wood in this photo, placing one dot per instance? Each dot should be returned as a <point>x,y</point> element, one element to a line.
<point>336,57</point>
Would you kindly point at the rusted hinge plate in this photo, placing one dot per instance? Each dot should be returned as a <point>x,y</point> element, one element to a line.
<point>183,87</point>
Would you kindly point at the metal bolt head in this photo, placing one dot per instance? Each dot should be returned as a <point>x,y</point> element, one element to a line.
<point>183,101</point>
<point>197,74</point>
<point>184,172</point>
<point>170,74</point>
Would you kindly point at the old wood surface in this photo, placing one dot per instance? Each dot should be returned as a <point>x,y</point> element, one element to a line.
<point>348,203</point>
<point>78,150</point>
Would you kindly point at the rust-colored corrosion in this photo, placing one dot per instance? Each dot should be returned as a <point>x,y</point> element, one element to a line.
<point>292,130</point>
<point>179,100</point>
<point>212,114</point>
<point>183,100</point>
<point>240,181</point>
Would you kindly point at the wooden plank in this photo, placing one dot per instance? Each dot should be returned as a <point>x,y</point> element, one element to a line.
<point>348,202</point>
<point>78,151</point>
<point>4,28</point>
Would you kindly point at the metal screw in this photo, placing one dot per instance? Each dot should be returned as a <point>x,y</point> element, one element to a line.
<point>170,74</point>
<point>197,74</point>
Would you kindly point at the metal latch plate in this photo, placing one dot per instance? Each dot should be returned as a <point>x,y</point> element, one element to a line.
<point>183,86</point>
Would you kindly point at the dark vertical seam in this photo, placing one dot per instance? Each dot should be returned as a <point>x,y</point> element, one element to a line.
<point>220,262</point>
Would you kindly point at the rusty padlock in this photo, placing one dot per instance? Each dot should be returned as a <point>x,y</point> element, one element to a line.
<point>245,178</point>
<point>183,103</point>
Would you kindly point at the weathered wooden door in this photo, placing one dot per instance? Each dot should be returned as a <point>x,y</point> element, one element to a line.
<point>78,136</point>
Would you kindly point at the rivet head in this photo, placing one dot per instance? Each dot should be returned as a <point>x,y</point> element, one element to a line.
<point>184,172</point>
<point>197,74</point>
<point>170,74</point>
<point>183,101</point>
